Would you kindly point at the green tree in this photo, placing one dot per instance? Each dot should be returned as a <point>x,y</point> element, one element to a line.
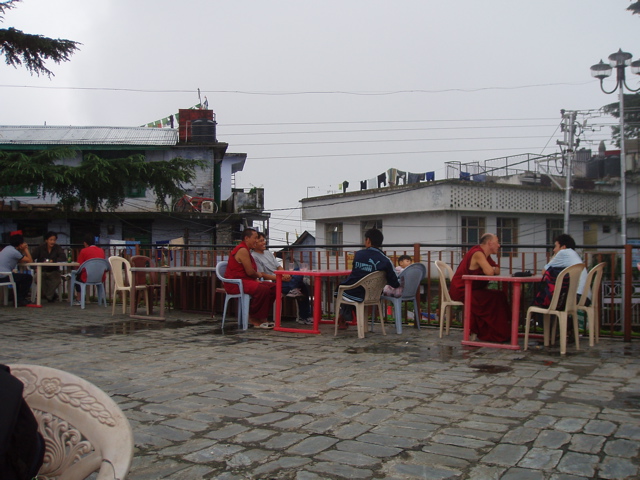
<point>631,114</point>
<point>96,184</point>
<point>30,50</point>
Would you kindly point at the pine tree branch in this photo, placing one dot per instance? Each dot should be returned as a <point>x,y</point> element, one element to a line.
<point>33,50</point>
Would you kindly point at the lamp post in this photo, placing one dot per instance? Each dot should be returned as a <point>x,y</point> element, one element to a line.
<point>619,60</point>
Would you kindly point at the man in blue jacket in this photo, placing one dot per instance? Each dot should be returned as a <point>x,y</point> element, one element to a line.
<point>366,261</point>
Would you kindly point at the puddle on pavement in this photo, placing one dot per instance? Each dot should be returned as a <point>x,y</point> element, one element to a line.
<point>416,354</point>
<point>133,326</point>
<point>487,368</point>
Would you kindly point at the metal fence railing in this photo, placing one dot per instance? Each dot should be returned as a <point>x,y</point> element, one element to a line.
<point>613,319</point>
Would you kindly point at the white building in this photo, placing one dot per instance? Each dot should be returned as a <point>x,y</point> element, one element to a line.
<point>521,207</point>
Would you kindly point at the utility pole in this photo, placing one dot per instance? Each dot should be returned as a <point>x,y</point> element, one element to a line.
<point>569,128</point>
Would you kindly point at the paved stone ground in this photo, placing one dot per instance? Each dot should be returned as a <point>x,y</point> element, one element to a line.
<point>269,405</point>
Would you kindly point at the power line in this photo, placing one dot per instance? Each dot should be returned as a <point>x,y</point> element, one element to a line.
<point>441,120</point>
<point>399,153</point>
<point>296,93</point>
<point>323,142</point>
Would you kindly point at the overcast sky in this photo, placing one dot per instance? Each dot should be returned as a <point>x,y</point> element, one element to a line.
<point>317,93</point>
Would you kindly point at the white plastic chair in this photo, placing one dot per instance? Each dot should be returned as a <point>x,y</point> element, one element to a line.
<point>243,298</point>
<point>444,271</point>
<point>84,429</point>
<point>95,268</point>
<point>574,272</point>
<point>413,276</point>
<point>121,274</point>
<point>373,285</point>
<point>6,283</point>
<point>592,286</point>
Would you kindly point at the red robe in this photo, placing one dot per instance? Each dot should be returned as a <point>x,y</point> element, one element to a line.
<point>263,294</point>
<point>490,311</point>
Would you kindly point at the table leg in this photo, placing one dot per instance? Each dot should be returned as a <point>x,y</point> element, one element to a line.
<point>163,293</point>
<point>317,304</point>
<point>515,313</point>
<point>278,313</point>
<point>467,311</point>
<point>132,296</point>
<point>39,286</point>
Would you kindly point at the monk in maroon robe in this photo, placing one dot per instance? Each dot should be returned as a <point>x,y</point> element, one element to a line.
<point>490,312</point>
<point>242,266</point>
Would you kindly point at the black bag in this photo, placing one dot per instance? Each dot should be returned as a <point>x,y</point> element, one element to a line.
<point>21,445</point>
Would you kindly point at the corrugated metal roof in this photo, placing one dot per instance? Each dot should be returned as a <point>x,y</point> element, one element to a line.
<point>53,135</point>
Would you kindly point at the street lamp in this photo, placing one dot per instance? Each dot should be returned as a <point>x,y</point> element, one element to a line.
<point>619,60</point>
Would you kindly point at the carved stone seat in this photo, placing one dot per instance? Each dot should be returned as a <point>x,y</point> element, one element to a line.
<point>84,430</point>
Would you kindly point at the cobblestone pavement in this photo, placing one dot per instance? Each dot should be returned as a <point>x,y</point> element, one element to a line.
<point>269,405</point>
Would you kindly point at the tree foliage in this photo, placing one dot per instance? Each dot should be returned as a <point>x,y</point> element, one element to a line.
<point>31,50</point>
<point>96,184</point>
<point>631,117</point>
<point>634,8</point>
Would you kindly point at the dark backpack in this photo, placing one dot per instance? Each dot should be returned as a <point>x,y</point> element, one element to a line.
<point>21,445</point>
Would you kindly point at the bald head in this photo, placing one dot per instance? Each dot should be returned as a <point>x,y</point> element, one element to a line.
<point>486,238</point>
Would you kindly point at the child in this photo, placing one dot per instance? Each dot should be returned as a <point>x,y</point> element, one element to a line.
<point>403,262</point>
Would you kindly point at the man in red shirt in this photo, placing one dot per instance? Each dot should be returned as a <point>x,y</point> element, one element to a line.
<point>87,253</point>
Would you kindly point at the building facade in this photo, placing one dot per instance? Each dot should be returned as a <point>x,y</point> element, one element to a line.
<point>211,212</point>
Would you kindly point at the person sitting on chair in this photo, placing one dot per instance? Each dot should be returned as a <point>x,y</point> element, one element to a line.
<point>242,266</point>
<point>366,261</point>
<point>17,252</point>
<point>49,251</point>
<point>490,312</point>
<point>292,286</point>
<point>87,253</point>
<point>564,256</point>
<point>403,262</point>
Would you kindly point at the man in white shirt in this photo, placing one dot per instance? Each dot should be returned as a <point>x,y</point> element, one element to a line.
<point>564,256</point>
<point>17,252</point>
<point>292,286</point>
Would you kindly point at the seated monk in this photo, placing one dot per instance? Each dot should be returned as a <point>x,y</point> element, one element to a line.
<point>242,266</point>
<point>490,312</point>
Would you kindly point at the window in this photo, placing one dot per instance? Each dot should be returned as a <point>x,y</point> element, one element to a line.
<point>333,236</point>
<point>13,191</point>
<point>367,225</point>
<point>138,230</point>
<point>555,227</point>
<point>507,232</point>
<point>135,191</point>
<point>472,229</point>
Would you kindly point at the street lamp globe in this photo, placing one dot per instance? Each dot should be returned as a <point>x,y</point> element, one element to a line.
<point>620,58</point>
<point>601,70</point>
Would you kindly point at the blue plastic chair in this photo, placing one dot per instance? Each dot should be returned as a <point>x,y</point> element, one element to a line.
<point>95,268</point>
<point>413,276</point>
<point>243,298</point>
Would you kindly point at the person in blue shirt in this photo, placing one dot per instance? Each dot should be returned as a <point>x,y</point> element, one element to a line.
<point>366,261</point>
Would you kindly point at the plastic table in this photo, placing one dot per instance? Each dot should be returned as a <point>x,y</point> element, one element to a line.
<point>38,266</point>
<point>516,293</point>
<point>163,271</point>
<point>317,292</point>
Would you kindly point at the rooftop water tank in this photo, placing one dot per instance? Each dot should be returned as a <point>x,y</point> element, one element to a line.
<point>203,131</point>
